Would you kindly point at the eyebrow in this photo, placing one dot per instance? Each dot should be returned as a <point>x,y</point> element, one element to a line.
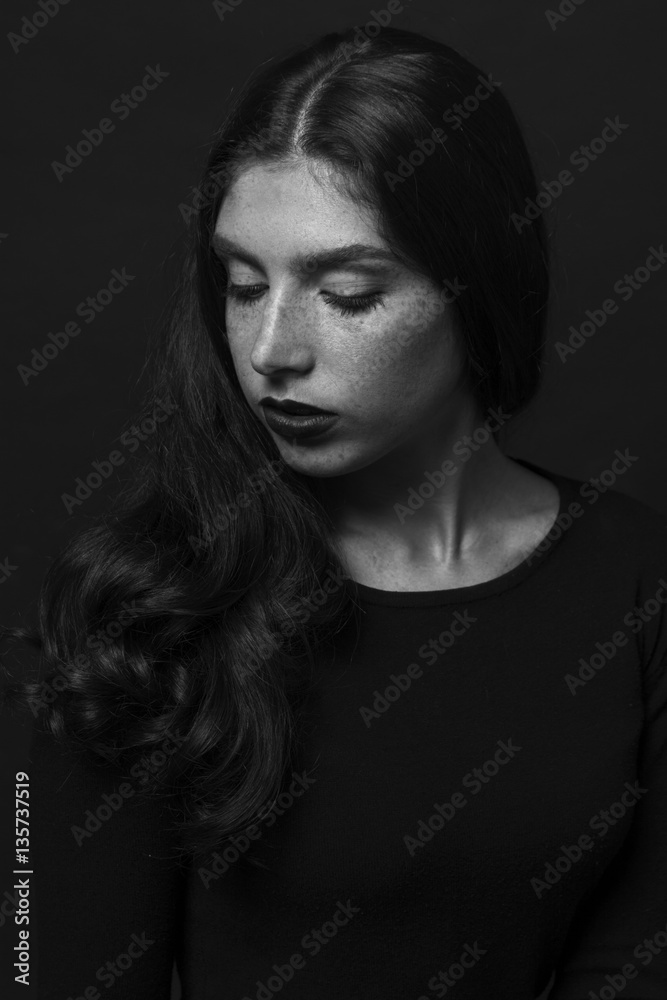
<point>301,265</point>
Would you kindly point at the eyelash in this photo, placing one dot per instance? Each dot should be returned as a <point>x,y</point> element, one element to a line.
<point>346,304</point>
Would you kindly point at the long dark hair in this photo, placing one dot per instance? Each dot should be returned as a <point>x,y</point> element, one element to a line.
<point>193,608</point>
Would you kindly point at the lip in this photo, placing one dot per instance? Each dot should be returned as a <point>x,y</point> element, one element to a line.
<point>298,426</point>
<point>292,406</point>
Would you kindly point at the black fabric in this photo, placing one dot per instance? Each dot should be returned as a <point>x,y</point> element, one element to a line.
<point>578,765</point>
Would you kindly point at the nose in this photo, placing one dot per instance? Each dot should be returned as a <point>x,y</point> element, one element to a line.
<point>283,341</point>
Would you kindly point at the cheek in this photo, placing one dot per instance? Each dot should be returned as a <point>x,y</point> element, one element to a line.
<point>415,351</point>
<point>241,337</point>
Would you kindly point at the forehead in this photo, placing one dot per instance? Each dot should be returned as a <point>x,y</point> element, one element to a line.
<point>299,200</point>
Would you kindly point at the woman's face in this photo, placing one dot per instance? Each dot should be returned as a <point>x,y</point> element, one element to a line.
<point>365,338</point>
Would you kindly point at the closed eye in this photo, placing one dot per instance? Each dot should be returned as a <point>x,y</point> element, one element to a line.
<point>346,304</point>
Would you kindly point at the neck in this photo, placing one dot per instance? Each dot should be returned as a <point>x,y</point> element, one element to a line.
<point>394,504</point>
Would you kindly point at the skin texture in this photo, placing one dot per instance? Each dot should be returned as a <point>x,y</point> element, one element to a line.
<point>393,375</point>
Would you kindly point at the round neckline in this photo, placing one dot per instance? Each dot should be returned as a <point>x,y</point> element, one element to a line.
<point>476,591</point>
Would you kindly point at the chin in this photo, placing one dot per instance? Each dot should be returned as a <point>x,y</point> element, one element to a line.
<point>323,460</point>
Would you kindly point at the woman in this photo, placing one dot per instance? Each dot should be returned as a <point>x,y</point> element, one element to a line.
<point>343,699</point>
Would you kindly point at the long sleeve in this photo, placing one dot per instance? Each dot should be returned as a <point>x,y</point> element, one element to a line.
<point>617,944</point>
<point>106,891</point>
